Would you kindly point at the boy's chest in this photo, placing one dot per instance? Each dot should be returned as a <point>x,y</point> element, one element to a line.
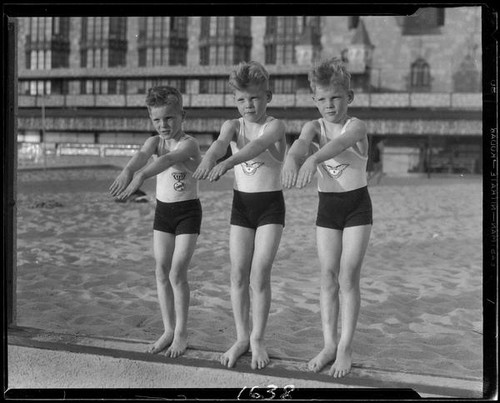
<point>166,146</point>
<point>249,133</point>
<point>332,132</point>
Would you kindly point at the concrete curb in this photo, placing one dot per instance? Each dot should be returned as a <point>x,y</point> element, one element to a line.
<point>41,359</point>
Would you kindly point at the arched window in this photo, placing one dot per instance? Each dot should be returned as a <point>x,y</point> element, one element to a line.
<point>420,75</point>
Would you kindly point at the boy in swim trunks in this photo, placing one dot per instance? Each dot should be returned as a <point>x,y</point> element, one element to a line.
<point>344,217</point>
<point>178,211</point>
<point>258,210</point>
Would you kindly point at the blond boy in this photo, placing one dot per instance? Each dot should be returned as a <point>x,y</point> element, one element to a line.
<point>344,217</point>
<point>258,210</point>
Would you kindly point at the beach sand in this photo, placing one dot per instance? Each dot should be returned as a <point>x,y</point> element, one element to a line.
<point>85,266</point>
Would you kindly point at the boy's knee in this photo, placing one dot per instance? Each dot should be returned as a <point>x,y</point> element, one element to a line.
<point>329,281</point>
<point>162,272</point>
<point>348,283</point>
<point>260,283</point>
<point>177,278</point>
<point>239,280</point>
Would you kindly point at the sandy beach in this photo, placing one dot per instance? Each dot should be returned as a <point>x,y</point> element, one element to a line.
<point>85,266</point>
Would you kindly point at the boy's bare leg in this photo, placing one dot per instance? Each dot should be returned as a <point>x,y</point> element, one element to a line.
<point>354,245</point>
<point>267,240</point>
<point>163,245</point>
<point>184,248</point>
<point>241,246</point>
<point>329,244</point>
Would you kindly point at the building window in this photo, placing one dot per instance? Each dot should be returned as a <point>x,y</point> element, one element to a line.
<point>420,76</point>
<point>270,53</point>
<point>39,87</point>
<point>47,43</point>
<point>59,86</point>
<point>283,85</point>
<point>103,42</point>
<point>162,41</point>
<point>117,41</point>
<point>225,40</point>
<point>214,86</point>
<point>282,34</point>
<point>116,86</point>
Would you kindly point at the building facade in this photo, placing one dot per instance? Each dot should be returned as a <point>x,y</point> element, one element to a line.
<point>413,76</point>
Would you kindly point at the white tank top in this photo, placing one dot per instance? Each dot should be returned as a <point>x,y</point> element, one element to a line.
<point>176,183</point>
<point>262,173</point>
<point>346,171</point>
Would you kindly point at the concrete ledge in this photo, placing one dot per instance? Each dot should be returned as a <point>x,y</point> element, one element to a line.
<point>39,359</point>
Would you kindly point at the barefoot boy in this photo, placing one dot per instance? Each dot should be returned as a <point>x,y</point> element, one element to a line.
<point>178,210</point>
<point>258,211</point>
<point>344,212</point>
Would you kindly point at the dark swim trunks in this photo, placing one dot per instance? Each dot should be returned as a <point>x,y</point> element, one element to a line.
<point>344,209</point>
<point>177,218</point>
<point>252,210</point>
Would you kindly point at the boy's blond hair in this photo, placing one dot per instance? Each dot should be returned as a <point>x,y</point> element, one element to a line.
<point>329,72</point>
<point>163,95</point>
<point>248,74</point>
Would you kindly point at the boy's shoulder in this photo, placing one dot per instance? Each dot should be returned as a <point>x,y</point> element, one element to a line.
<point>313,125</point>
<point>274,123</point>
<point>354,122</point>
<point>152,141</point>
<point>232,124</point>
<point>188,137</point>
<point>189,140</point>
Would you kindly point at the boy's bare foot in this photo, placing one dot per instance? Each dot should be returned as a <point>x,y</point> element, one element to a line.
<point>325,356</point>
<point>260,358</point>
<point>162,343</point>
<point>228,359</point>
<point>178,346</point>
<point>342,365</point>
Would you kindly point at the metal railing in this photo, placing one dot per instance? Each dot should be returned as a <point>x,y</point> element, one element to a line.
<point>453,100</point>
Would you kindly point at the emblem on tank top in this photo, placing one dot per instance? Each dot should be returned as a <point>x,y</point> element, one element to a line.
<point>179,186</point>
<point>249,168</point>
<point>334,172</point>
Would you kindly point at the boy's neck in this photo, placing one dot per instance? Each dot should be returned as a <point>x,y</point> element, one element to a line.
<point>260,122</point>
<point>180,134</point>
<point>340,123</point>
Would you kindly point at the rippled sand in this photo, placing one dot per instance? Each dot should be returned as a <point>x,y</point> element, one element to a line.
<point>85,265</point>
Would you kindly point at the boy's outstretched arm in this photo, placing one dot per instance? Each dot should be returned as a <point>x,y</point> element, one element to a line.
<point>299,151</point>
<point>355,132</point>
<point>139,159</point>
<point>216,151</point>
<point>274,132</point>
<point>188,149</point>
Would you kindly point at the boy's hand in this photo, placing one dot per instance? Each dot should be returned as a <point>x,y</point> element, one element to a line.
<point>307,172</point>
<point>132,187</point>
<point>206,165</point>
<point>219,170</point>
<point>120,183</point>
<point>289,173</point>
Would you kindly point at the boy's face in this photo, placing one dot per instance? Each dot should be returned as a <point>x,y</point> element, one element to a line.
<point>167,120</point>
<point>332,102</point>
<point>252,102</point>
